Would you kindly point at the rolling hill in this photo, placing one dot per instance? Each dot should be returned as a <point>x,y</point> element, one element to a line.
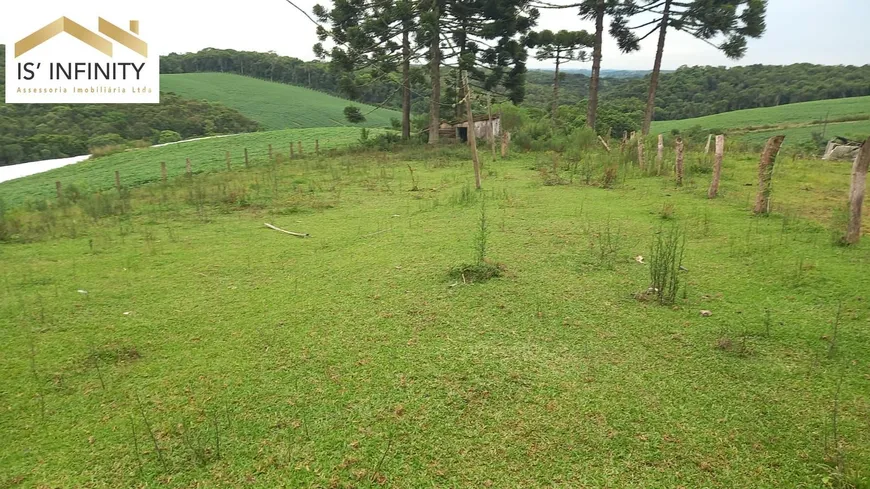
<point>849,117</point>
<point>274,105</point>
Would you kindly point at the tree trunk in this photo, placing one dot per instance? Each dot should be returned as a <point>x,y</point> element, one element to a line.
<point>472,138</point>
<point>592,108</point>
<point>856,194</point>
<point>435,76</point>
<point>678,167</point>
<point>660,154</point>
<point>555,111</point>
<point>654,78</point>
<point>765,174</point>
<point>640,160</point>
<point>717,167</point>
<point>406,83</point>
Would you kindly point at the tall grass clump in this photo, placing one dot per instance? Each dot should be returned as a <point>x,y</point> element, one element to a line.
<point>666,260</point>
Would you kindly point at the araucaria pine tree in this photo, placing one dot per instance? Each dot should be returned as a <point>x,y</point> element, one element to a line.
<point>560,47</point>
<point>725,24</point>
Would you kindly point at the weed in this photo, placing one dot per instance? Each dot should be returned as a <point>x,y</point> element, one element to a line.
<point>667,212</point>
<point>666,258</point>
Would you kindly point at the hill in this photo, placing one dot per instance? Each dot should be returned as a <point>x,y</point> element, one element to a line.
<point>845,117</point>
<point>141,166</point>
<point>274,105</point>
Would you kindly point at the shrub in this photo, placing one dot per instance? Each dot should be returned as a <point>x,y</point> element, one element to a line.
<point>168,137</point>
<point>666,259</point>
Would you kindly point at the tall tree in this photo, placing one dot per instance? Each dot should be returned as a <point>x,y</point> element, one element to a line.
<point>596,10</point>
<point>560,47</point>
<point>487,40</point>
<point>732,21</point>
<point>370,36</point>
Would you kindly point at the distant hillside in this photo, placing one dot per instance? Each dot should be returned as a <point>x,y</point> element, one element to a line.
<point>274,105</point>
<point>827,118</point>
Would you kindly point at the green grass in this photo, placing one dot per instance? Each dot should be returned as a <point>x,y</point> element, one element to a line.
<point>798,122</point>
<point>143,165</point>
<point>351,359</point>
<point>274,105</point>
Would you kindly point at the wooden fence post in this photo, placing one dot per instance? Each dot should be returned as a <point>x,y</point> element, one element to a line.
<point>270,152</point>
<point>765,174</point>
<point>118,181</point>
<point>299,147</point>
<point>59,190</point>
<point>707,148</point>
<point>640,153</point>
<point>317,146</point>
<point>188,167</point>
<point>604,143</point>
<point>291,151</point>
<point>856,194</point>
<point>717,167</point>
<point>472,136</point>
<point>229,166</point>
<point>660,154</point>
<point>246,157</point>
<point>163,171</point>
<point>678,168</point>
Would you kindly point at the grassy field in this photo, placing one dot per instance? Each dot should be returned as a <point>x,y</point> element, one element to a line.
<point>143,165</point>
<point>173,340</point>
<point>850,116</point>
<point>275,105</point>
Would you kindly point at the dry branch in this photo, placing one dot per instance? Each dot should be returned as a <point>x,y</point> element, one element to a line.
<point>291,233</point>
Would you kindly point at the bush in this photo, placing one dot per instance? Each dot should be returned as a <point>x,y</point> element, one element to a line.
<point>168,137</point>
<point>105,140</point>
<point>353,115</point>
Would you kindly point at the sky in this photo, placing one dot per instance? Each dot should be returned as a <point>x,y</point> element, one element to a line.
<point>814,31</point>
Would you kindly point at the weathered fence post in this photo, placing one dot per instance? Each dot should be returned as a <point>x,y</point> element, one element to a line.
<point>856,194</point>
<point>270,152</point>
<point>604,143</point>
<point>163,171</point>
<point>503,144</point>
<point>118,181</point>
<point>59,190</point>
<point>717,167</point>
<point>188,167</point>
<point>678,167</point>
<point>291,151</point>
<point>472,136</point>
<point>660,154</point>
<point>707,148</point>
<point>317,146</point>
<point>640,160</point>
<point>299,147</point>
<point>765,174</point>
<point>229,166</point>
<point>246,157</point>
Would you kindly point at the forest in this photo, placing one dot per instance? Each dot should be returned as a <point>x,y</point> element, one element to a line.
<point>30,132</point>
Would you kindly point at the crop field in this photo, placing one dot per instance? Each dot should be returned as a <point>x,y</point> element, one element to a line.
<point>274,105</point>
<point>790,114</point>
<point>166,337</point>
<point>141,166</point>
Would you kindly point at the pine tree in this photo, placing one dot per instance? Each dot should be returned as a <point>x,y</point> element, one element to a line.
<point>732,21</point>
<point>560,47</point>
<point>370,37</point>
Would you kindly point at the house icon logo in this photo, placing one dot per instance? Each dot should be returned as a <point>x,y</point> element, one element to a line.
<point>129,39</point>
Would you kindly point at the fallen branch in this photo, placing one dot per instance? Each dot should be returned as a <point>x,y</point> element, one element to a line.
<point>604,143</point>
<point>291,233</point>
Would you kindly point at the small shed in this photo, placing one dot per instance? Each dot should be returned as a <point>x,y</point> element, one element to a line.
<point>842,149</point>
<point>457,131</point>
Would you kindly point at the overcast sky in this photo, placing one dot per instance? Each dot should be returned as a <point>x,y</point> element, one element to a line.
<point>815,31</point>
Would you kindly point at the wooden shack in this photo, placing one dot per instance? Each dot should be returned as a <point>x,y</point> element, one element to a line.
<point>457,131</point>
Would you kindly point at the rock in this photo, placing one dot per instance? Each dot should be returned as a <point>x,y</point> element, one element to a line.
<point>705,313</point>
